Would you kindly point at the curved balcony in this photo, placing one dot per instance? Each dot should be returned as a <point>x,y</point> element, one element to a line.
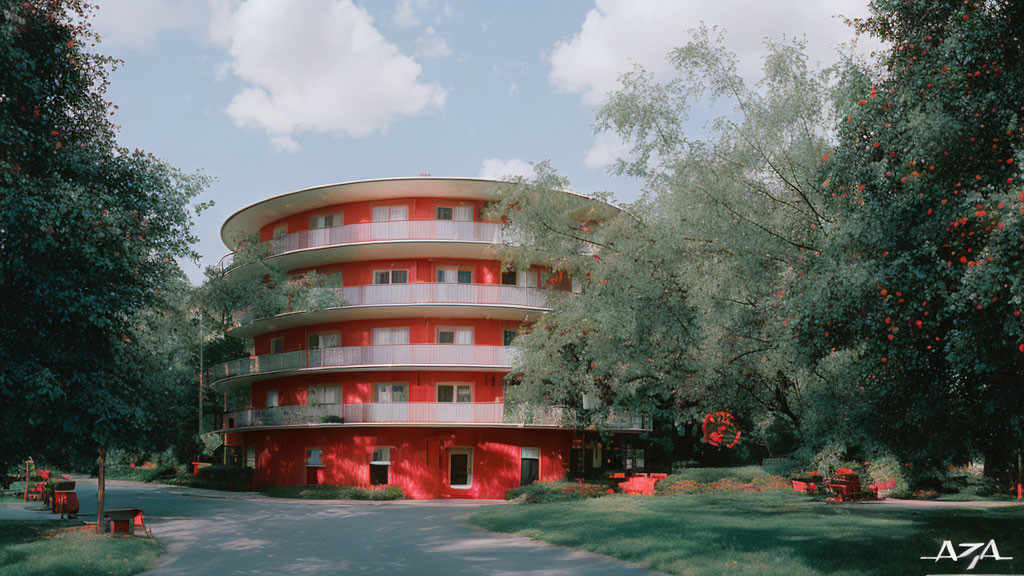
<point>413,414</point>
<point>395,300</point>
<point>430,237</point>
<point>357,358</point>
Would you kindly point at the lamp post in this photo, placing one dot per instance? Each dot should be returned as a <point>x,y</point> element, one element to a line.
<point>200,428</point>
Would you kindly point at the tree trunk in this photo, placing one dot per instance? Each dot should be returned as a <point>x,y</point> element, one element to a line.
<point>101,489</point>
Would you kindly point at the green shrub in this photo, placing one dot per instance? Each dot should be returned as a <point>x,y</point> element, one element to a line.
<point>332,492</point>
<point>139,474</point>
<point>709,475</point>
<point>884,468</point>
<point>223,478</point>
<point>540,492</point>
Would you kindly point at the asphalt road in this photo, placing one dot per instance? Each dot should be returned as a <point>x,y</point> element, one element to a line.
<point>209,532</point>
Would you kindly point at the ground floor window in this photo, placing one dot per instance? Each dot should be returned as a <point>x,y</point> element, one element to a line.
<point>314,466</point>
<point>250,456</point>
<point>380,463</point>
<point>460,467</point>
<point>634,459</point>
<point>529,466</point>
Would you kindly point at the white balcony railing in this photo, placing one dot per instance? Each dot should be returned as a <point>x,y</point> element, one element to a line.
<point>413,413</point>
<point>405,354</point>
<point>390,230</point>
<point>430,293</point>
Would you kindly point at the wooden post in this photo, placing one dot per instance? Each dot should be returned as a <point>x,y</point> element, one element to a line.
<point>200,372</point>
<point>26,480</point>
<point>101,489</point>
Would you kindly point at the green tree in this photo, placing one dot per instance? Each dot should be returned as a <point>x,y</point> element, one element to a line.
<point>690,279</point>
<point>90,233</point>
<point>916,299</point>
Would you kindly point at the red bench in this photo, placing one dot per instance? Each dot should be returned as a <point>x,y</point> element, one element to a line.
<point>641,484</point>
<point>846,483</point>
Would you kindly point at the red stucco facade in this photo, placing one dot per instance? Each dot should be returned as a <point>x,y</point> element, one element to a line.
<point>421,408</point>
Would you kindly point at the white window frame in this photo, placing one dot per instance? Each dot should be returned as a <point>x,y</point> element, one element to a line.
<point>319,458</point>
<point>319,222</point>
<point>451,213</point>
<point>469,466</point>
<point>385,452</point>
<point>276,395</point>
<point>390,275</point>
<point>320,390</point>
<point>455,392</point>
<point>390,392</point>
<point>463,213</point>
<point>455,330</point>
<point>387,336</point>
<point>320,337</point>
<point>391,213</point>
<point>450,274</point>
<point>274,341</point>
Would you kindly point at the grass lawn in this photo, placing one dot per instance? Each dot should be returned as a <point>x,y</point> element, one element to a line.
<point>29,548</point>
<point>776,532</point>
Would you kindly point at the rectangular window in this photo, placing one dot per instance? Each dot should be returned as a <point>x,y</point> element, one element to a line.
<point>326,221</point>
<point>508,336</point>
<point>508,278</point>
<point>398,336</point>
<point>380,462</point>
<point>444,213</point>
<point>250,456</point>
<point>272,399</point>
<point>391,392</point>
<point>390,276</point>
<point>454,393</point>
<point>529,466</point>
<point>597,456</point>
<point>460,467</point>
<point>464,213</point>
<point>280,232</point>
<point>454,275</point>
<point>455,335</point>
<point>276,345</point>
<point>386,213</point>
<point>324,340</point>
<point>318,395</point>
<point>313,457</point>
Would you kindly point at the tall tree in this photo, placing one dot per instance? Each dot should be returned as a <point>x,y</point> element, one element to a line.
<point>915,303</point>
<point>692,275</point>
<point>89,234</point>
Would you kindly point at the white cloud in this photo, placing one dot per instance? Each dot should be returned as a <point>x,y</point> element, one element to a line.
<point>617,33</point>
<point>430,45</point>
<point>411,13</point>
<point>513,89</point>
<point>498,169</point>
<point>135,24</point>
<point>317,66</point>
<point>607,148</point>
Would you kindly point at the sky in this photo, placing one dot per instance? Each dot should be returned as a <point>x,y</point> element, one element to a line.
<point>271,96</point>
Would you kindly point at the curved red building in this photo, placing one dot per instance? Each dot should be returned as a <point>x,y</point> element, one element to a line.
<point>402,383</point>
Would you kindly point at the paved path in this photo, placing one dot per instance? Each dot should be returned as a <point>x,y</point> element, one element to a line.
<point>210,532</point>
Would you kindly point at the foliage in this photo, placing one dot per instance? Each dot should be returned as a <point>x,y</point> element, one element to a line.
<point>219,477</point>
<point>680,309</point>
<point>49,548</point>
<point>90,234</point>
<point>912,310</point>
<point>332,492</point>
<point>763,483</point>
<point>742,474</point>
<point>542,492</point>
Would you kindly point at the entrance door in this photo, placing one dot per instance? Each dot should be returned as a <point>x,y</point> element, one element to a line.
<point>460,467</point>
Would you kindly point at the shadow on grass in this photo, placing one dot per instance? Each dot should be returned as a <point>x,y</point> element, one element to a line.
<point>33,548</point>
<point>770,533</point>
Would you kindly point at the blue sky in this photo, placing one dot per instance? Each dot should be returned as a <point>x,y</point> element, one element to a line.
<point>269,96</point>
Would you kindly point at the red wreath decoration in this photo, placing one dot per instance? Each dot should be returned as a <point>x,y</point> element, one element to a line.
<point>719,428</point>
